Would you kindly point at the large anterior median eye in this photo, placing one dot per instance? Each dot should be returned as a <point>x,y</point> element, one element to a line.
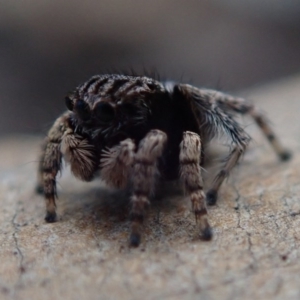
<point>82,109</point>
<point>104,112</point>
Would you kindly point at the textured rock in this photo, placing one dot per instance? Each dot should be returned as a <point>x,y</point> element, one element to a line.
<point>254,253</point>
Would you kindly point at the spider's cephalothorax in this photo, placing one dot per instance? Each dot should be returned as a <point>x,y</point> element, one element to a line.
<point>135,130</point>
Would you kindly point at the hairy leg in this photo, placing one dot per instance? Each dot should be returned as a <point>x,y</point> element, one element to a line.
<point>81,155</point>
<point>62,141</point>
<point>144,174</point>
<point>213,112</point>
<point>231,161</point>
<point>50,165</point>
<point>39,189</point>
<point>241,106</point>
<point>190,174</point>
<point>116,164</point>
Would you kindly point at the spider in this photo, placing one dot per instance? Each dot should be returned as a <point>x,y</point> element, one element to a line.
<point>136,131</point>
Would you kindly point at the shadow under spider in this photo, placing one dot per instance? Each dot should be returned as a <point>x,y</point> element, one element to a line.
<point>106,204</point>
<point>98,208</point>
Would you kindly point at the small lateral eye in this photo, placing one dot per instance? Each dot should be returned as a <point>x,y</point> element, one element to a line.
<point>129,109</point>
<point>104,112</point>
<point>69,103</point>
<point>82,109</point>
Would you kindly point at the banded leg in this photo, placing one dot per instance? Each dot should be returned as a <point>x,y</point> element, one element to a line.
<point>50,165</point>
<point>243,107</point>
<point>145,172</point>
<point>231,161</point>
<point>190,174</point>
<point>116,164</point>
<point>39,188</point>
<point>213,112</point>
<point>262,122</point>
<point>62,141</point>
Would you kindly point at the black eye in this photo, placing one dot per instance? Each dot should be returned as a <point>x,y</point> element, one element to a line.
<point>82,109</point>
<point>69,103</point>
<point>104,112</point>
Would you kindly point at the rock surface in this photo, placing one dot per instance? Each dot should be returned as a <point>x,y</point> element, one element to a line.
<point>254,253</point>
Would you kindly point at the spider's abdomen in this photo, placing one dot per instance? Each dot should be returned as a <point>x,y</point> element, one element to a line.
<point>172,114</point>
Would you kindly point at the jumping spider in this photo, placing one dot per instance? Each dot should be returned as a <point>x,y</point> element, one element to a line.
<point>135,130</point>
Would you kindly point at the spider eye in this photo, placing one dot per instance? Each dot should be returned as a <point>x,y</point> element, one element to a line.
<point>69,103</point>
<point>82,109</point>
<point>104,112</point>
<point>129,109</point>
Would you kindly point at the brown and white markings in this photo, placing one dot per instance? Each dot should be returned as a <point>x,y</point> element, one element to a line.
<point>135,130</point>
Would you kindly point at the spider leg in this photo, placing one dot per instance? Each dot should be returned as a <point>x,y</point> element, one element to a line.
<point>231,161</point>
<point>190,174</point>
<point>212,111</point>
<point>241,106</point>
<point>60,141</point>
<point>262,122</point>
<point>39,188</point>
<point>116,164</point>
<point>81,155</point>
<point>50,165</point>
<point>212,120</point>
<point>144,175</point>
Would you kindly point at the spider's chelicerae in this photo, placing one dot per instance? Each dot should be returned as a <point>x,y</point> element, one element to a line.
<point>136,130</point>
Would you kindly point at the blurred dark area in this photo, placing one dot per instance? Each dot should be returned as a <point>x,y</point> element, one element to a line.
<point>48,47</point>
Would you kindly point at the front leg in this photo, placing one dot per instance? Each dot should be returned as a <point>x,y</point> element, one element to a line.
<point>62,141</point>
<point>116,164</point>
<point>50,165</point>
<point>80,154</point>
<point>190,175</point>
<point>144,175</point>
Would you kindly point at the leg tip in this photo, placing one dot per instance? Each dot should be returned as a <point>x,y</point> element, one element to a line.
<point>50,217</point>
<point>285,156</point>
<point>135,240</point>
<point>211,197</point>
<point>206,234</point>
<point>39,189</point>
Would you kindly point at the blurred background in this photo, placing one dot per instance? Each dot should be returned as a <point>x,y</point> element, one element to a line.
<point>48,47</point>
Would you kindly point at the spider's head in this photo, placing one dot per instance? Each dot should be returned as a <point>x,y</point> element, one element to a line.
<point>102,116</point>
<point>110,104</point>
